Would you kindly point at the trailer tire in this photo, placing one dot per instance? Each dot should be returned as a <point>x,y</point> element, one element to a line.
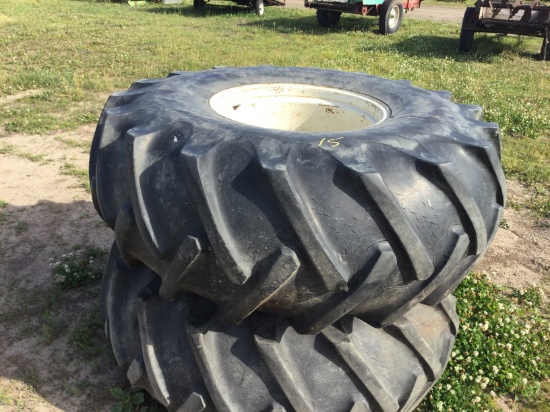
<point>384,198</point>
<point>545,49</point>
<point>466,39</point>
<point>186,358</point>
<point>328,18</point>
<point>391,15</point>
<point>259,7</point>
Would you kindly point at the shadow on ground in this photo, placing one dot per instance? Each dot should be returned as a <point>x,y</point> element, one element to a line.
<point>52,340</point>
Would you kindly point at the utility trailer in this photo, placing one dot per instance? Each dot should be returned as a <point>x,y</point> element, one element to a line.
<point>257,5</point>
<point>507,18</point>
<point>389,12</point>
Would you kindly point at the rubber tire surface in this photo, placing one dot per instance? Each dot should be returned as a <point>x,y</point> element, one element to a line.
<point>259,7</point>
<point>545,50</point>
<point>187,359</point>
<point>261,219</point>
<point>328,18</point>
<point>385,14</point>
<point>466,39</point>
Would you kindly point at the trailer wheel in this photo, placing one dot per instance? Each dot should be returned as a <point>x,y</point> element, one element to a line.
<point>391,15</point>
<point>189,360</point>
<point>466,35</point>
<point>198,4</point>
<point>304,193</point>
<point>328,18</point>
<point>259,7</point>
<point>545,50</point>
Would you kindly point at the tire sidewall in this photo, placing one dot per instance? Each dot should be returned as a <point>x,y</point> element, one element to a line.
<point>190,95</point>
<point>385,16</point>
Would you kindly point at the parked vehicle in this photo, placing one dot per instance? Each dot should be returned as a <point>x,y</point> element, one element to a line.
<point>389,12</point>
<point>507,18</point>
<point>257,5</point>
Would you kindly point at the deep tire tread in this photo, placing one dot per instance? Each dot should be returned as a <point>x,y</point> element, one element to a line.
<point>181,358</point>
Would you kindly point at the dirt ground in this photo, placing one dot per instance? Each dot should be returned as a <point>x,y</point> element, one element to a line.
<point>43,364</point>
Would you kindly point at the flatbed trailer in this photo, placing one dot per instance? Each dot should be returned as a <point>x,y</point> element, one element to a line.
<point>503,17</point>
<point>389,12</point>
<point>257,5</point>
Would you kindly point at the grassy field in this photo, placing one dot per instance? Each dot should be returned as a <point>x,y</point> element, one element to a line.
<point>70,54</point>
<point>60,59</point>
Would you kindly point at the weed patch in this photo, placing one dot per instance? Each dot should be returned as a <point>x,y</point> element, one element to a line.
<point>78,268</point>
<point>71,170</point>
<point>502,348</point>
<point>88,336</point>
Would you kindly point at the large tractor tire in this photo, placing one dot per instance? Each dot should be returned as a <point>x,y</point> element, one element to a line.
<point>304,193</point>
<point>466,39</point>
<point>189,360</point>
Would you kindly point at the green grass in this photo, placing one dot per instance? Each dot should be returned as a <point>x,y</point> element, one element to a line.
<point>73,52</point>
<point>71,170</point>
<point>501,350</point>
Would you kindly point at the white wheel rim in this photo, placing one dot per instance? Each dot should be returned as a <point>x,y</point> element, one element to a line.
<point>394,16</point>
<point>299,107</point>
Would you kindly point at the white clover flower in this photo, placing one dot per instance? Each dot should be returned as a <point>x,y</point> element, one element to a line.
<point>476,353</point>
<point>463,377</point>
<point>492,393</point>
<point>495,369</point>
<point>534,362</point>
<point>508,347</point>
<point>484,327</point>
<point>67,270</point>
<point>452,391</point>
<point>478,399</point>
<point>440,405</point>
<point>524,381</point>
<point>478,379</point>
<point>507,320</point>
<point>509,375</point>
<point>448,387</point>
<point>483,385</point>
<point>500,306</point>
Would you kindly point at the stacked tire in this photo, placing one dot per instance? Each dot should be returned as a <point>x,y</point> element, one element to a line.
<point>289,239</point>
